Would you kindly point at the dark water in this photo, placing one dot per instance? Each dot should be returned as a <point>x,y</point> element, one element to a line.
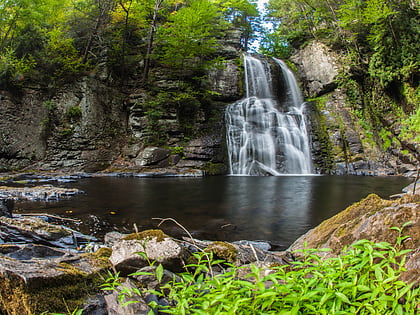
<point>279,209</point>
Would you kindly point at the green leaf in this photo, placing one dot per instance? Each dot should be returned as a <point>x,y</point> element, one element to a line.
<point>159,272</point>
<point>342,297</point>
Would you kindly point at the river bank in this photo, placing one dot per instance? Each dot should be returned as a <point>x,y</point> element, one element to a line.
<point>57,260</point>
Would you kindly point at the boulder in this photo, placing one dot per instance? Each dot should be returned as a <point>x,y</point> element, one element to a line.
<point>36,231</point>
<point>152,156</point>
<point>318,67</point>
<point>370,219</point>
<point>156,246</point>
<point>37,278</point>
<point>137,305</point>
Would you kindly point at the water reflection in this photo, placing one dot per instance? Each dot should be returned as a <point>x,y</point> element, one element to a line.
<point>279,209</point>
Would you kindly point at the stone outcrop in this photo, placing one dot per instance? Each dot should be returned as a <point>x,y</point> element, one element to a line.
<point>372,218</point>
<point>76,128</point>
<point>318,66</point>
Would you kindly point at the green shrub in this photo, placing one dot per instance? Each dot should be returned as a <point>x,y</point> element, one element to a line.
<point>364,279</point>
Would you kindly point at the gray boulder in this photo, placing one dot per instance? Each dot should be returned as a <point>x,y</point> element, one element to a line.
<point>154,244</point>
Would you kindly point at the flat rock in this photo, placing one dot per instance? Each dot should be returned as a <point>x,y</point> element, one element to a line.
<point>44,192</point>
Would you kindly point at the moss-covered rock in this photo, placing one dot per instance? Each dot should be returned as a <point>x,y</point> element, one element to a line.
<point>371,219</point>
<point>224,251</point>
<point>58,282</point>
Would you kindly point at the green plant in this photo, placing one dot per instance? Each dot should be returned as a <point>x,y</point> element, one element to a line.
<point>74,112</point>
<point>364,279</point>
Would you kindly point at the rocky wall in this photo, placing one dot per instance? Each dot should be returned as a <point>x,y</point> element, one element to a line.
<point>340,143</point>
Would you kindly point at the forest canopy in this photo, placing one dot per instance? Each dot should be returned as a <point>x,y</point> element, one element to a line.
<point>56,39</point>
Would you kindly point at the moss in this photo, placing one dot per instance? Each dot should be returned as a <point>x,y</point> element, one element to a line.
<point>147,234</point>
<point>214,168</point>
<point>58,294</point>
<point>223,250</point>
<point>100,258</point>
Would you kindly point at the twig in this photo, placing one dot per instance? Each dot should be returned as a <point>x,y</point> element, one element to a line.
<point>49,215</point>
<point>416,179</point>
<point>180,225</point>
<point>190,236</point>
<point>255,253</point>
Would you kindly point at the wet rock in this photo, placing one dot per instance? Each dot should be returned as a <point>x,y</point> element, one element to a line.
<point>152,156</point>
<point>37,231</point>
<point>156,245</point>
<point>45,192</point>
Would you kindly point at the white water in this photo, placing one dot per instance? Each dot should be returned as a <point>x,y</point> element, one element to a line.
<point>265,137</point>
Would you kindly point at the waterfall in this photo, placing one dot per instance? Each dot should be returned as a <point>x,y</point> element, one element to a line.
<point>266,136</point>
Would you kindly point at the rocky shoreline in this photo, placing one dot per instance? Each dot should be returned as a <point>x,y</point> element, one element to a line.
<point>45,266</point>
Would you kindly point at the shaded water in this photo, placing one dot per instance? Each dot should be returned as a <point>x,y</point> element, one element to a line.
<point>279,209</point>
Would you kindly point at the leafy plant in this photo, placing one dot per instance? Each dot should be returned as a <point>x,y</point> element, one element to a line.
<point>364,279</point>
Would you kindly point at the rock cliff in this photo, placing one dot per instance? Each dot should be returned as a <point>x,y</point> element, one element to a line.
<point>342,142</point>
<point>94,123</point>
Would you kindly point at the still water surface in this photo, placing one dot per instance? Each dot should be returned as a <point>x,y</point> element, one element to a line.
<point>278,209</point>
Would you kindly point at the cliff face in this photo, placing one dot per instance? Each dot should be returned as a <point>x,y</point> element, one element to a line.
<point>341,142</point>
<point>76,127</point>
<point>93,124</point>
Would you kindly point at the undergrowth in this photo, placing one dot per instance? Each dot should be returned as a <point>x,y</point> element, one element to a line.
<point>364,279</point>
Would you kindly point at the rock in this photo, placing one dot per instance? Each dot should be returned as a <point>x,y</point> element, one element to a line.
<point>148,278</point>
<point>318,67</point>
<point>37,231</point>
<point>153,156</point>
<point>115,307</point>
<point>225,81</point>
<point>370,219</point>
<point>155,244</point>
<point>111,238</point>
<point>35,279</point>
<point>45,192</point>
<point>6,207</point>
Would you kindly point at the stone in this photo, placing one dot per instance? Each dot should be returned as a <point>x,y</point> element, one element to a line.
<point>370,219</point>
<point>318,67</point>
<point>115,307</point>
<point>6,207</point>
<point>36,279</point>
<point>156,245</point>
<point>152,156</point>
<point>45,192</point>
<point>36,230</point>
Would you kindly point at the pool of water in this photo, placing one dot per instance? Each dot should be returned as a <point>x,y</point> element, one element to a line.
<point>278,209</point>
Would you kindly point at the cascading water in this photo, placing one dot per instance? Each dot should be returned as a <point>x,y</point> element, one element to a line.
<point>266,136</point>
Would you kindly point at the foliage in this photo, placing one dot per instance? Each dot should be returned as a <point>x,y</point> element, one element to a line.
<point>62,38</point>
<point>14,69</point>
<point>189,36</point>
<point>364,279</point>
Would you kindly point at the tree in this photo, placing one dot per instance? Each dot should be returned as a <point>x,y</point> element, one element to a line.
<point>188,39</point>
